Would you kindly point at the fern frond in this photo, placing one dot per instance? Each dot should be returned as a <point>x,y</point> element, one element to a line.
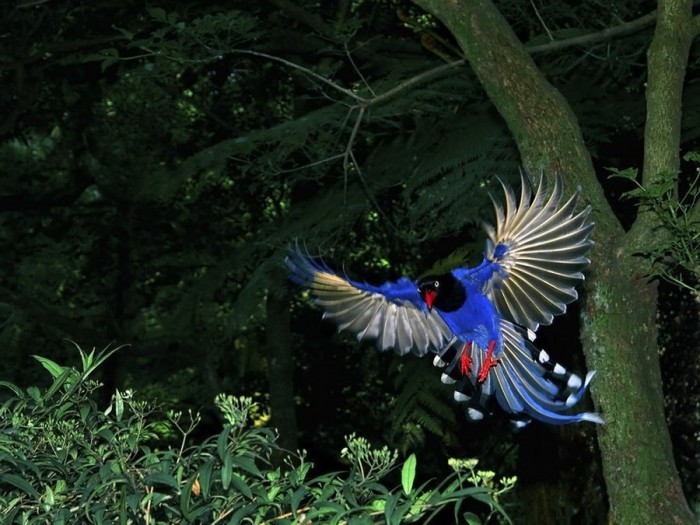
<point>422,402</point>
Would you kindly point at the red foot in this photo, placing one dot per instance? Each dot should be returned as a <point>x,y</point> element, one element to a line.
<point>489,363</point>
<point>465,361</point>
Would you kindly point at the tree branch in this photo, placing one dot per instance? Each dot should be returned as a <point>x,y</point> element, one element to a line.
<point>361,103</point>
<point>599,36</point>
<point>304,70</point>
<point>413,81</point>
<point>667,64</point>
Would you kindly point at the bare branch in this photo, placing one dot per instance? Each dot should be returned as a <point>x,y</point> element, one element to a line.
<point>599,36</point>
<point>348,155</point>
<point>418,79</point>
<point>361,103</point>
<point>304,70</point>
<point>539,17</point>
<point>357,69</point>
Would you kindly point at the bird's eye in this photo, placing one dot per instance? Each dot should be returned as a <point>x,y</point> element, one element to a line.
<point>436,284</point>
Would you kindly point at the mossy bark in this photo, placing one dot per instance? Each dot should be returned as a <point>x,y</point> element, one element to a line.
<point>619,312</point>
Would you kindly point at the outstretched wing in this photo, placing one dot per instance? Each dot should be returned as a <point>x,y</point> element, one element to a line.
<point>539,247</point>
<point>392,314</point>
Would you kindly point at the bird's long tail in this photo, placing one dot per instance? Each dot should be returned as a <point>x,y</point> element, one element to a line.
<point>526,383</point>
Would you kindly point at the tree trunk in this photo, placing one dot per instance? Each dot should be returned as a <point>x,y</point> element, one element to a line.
<point>619,312</point>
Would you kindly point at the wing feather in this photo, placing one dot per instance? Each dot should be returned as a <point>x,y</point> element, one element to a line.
<point>391,314</point>
<point>540,246</point>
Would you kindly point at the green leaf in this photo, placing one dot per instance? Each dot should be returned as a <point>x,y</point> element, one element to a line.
<point>185,497</point>
<point>54,369</point>
<point>127,34</point>
<point>161,478</point>
<point>226,471</point>
<point>68,373</point>
<point>205,472</point>
<point>242,512</point>
<point>692,156</point>
<point>87,359</point>
<point>389,506</point>
<point>471,518</point>
<point>18,392</point>
<point>627,173</point>
<point>20,483</point>
<point>118,405</point>
<point>157,13</point>
<point>34,393</point>
<point>65,407</point>
<point>241,486</point>
<point>297,497</point>
<point>247,464</point>
<point>222,442</point>
<point>408,474</point>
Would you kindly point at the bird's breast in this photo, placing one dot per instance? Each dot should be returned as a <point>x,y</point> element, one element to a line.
<point>476,320</point>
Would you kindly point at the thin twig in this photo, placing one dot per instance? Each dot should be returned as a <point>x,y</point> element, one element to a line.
<point>304,70</point>
<point>357,69</point>
<point>539,17</point>
<point>149,490</point>
<point>351,141</point>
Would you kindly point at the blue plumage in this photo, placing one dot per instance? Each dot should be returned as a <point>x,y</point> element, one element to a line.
<point>480,321</point>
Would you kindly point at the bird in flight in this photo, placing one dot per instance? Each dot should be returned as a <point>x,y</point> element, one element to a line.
<point>480,322</point>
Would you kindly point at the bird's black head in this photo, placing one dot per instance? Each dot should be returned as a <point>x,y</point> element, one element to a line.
<point>442,291</point>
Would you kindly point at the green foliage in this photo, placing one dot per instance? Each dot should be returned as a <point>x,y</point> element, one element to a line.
<point>675,250</point>
<point>466,471</point>
<point>63,459</point>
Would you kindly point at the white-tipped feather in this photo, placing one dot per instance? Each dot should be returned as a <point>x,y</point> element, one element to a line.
<point>590,375</point>
<point>460,397</point>
<point>593,418</point>
<point>474,414</point>
<point>439,362</point>
<point>447,379</point>
<point>574,381</point>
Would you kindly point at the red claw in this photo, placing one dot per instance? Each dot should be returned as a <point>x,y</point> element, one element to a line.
<point>489,363</point>
<point>465,361</point>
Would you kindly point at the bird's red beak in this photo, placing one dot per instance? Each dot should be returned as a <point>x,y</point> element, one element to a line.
<point>429,298</point>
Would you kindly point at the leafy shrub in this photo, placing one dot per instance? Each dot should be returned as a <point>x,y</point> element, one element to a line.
<point>63,460</point>
<point>675,253</point>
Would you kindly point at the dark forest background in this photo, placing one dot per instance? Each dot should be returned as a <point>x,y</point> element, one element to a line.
<point>157,161</point>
